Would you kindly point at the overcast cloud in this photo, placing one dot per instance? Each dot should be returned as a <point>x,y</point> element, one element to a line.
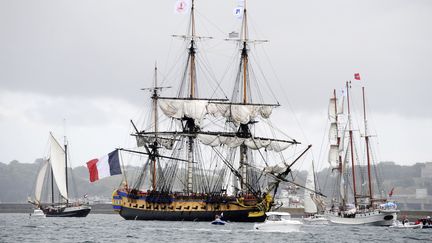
<point>85,61</point>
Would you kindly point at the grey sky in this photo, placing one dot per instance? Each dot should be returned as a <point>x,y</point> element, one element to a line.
<point>86,61</point>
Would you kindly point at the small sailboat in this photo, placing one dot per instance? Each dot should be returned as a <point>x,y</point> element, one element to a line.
<point>56,164</point>
<point>278,222</point>
<point>367,208</point>
<point>313,203</point>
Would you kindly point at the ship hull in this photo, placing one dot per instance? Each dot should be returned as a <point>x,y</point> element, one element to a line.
<point>78,211</point>
<point>232,215</point>
<point>186,210</point>
<point>375,218</point>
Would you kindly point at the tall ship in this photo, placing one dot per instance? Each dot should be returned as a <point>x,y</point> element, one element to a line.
<point>355,200</point>
<point>207,157</point>
<point>52,181</point>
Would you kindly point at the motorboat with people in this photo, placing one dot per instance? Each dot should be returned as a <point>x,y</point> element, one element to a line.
<point>426,222</point>
<point>405,225</point>
<point>278,222</point>
<point>218,221</point>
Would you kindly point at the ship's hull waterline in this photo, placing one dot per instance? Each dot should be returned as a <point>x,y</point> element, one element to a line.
<point>185,210</point>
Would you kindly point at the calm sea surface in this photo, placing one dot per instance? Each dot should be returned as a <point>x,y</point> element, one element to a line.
<point>112,228</point>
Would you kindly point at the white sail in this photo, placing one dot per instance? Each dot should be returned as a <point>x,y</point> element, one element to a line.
<point>198,109</point>
<point>40,180</point>
<point>333,156</point>
<point>333,132</point>
<point>340,106</point>
<point>309,204</point>
<point>332,110</point>
<point>276,169</point>
<point>252,143</point>
<point>195,109</point>
<point>58,165</point>
<point>239,113</point>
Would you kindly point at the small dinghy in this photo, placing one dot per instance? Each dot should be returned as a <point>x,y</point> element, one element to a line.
<point>405,225</point>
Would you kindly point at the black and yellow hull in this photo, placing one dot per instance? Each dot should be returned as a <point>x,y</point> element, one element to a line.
<point>187,209</point>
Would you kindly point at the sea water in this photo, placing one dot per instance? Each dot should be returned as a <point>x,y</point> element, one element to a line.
<point>112,228</point>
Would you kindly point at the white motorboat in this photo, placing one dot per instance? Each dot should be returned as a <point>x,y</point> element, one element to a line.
<point>405,225</point>
<point>278,222</point>
<point>37,213</point>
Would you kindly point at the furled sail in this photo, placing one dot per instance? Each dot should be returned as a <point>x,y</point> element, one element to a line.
<point>58,165</point>
<point>239,113</point>
<point>276,169</point>
<point>198,109</point>
<point>252,143</point>
<point>39,181</point>
<point>309,204</point>
<point>180,108</point>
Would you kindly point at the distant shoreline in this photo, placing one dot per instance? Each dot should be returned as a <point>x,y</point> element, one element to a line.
<point>107,209</point>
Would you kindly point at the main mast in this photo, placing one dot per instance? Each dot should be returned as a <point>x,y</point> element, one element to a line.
<point>244,128</point>
<point>367,148</point>
<point>351,146</point>
<point>190,123</point>
<point>66,167</point>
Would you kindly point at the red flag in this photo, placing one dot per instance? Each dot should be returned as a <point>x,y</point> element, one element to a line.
<point>357,76</point>
<point>391,192</point>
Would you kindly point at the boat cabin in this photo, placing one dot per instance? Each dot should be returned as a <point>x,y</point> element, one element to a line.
<point>277,216</point>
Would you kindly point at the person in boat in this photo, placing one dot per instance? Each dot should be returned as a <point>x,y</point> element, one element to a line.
<point>404,220</point>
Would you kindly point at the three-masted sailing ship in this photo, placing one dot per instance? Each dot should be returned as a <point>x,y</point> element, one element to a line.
<point>210,161</point>
<point>353,204</point>
<point>54,174</point>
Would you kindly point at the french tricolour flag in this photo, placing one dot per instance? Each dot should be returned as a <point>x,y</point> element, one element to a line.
<point>108,165</point>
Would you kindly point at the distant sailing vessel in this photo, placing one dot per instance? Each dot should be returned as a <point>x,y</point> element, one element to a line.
<point>314,206</point>
<point>56,164</point>
<point>367,208</point>
<point>193,173</point>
